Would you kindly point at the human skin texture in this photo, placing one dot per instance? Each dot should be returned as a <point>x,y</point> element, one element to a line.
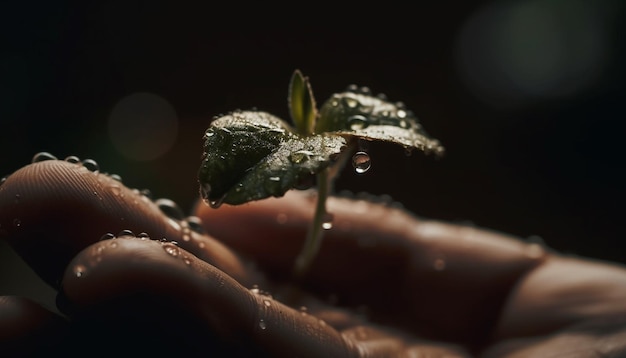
<point>385,283</point>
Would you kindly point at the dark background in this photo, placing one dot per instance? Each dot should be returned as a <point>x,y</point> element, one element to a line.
<point>526,96</point>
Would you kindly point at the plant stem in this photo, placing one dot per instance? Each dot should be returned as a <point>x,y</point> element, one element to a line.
<point>315,233</point>
<point>316,230</point>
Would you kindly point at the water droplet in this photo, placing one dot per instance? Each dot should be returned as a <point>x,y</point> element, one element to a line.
<point>351,102</point>
<point>267,303</point>
<point>274,179</point>
<point>534,250</point>
<point>17,222</point>
<point>357,122</point>
<point>303,310</point>
<point>282,218</point>
<point>352,88</point>
<point>116,177</point>
<point>187,261</point>
<point>171,249</point>
<point>4,179</point>
<point>300,156</point>
<point>113,244</point>
<point>262,324</point>
<point>126,233</point>
<point>170,208</point>
<point>361,162</point>
<point>79,270</point>
<point>255,289</point>
<point>403,124</point>
<point>195,224</point>
<point>365,90</point>
<point>146,192</point>
<point>72,159</point>
<point>143,235</point>
<point>43,156</point>
<point>216,203</point>
<point>91,165</point>
<point>401,114</point>
<point>115,189</point>
<point>327,221</point>
<point>107,236</point>
<point>439,264</point>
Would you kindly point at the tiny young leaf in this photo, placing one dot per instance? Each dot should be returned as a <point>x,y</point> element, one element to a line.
<point>302,103</point>
<point>356,113</point>
<point>252,155</point>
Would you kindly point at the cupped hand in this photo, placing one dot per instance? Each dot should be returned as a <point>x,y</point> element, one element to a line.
<point>136,275</point>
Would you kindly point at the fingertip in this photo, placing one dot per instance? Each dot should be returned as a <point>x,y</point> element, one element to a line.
<point>111,273</point>
<point>52,209</point>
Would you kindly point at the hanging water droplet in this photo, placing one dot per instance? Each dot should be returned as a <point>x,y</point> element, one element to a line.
<point>91,165</point>
<point>43,156</point>
<point>216,203</point>
<point>357,122</point>
<point>17,222</point>
<point>267,303</point>
<point>262,324</point>
<point>170,208</point>
<point>146,192</point>
<point>72,159</point>
<point>4,179</point>
<point>352,88</point>
<point>327,221</point>
<point>79,270</point>
<point>143,235</point>
<point>361,162</point>
<point>107,236</point>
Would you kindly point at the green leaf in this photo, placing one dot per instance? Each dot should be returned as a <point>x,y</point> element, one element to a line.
<point>356,113</point>
<point>302,103</point>
<point>252,155</point>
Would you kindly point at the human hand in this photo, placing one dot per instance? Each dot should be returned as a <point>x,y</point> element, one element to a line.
<point>385,283</point>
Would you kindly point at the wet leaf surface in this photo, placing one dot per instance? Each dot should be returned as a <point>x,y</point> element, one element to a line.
<point>251,155</point>
<point>356,113</point>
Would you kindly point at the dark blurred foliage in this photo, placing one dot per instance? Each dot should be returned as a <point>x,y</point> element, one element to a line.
<point>543,165</point>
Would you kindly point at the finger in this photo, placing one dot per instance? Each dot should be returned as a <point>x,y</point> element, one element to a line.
<point>430,276</point>
<point>51,210</point>
<point>27,328</point>
<point>148,284</point>
<point>562,292</point>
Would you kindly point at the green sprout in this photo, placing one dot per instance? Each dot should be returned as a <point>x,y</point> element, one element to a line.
<point>253,155</point>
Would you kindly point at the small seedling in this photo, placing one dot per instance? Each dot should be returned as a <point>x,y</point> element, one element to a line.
<point>252,155</point>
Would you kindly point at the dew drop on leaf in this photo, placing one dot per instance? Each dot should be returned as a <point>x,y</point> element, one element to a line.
<point>361,162</point>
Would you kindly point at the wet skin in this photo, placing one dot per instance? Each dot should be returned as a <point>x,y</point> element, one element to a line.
<point>385,284</point>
